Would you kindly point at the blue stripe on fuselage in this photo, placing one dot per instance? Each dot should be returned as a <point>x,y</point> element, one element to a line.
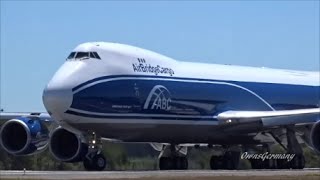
<point>280,96</point>
<point>141,117</point>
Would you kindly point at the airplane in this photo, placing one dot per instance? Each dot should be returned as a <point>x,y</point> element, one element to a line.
<point>125,94</point>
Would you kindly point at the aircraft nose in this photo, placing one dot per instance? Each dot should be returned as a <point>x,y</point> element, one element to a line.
<point>57,97</point>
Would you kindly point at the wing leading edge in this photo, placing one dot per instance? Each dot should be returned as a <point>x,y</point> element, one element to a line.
<point>272,118</point>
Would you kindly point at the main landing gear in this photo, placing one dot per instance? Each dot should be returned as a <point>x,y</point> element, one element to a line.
<point>173,163</point>
<point>298,161</point>
<point>293,149</point>
<point>94,160</point>
<point>171,158</point>
<point>230,161</point>
<point>266,163</point>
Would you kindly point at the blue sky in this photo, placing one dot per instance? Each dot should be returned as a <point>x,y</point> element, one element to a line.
<point>37,36</point>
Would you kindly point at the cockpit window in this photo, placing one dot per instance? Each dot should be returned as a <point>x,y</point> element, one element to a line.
<point>96,55</point>
<point>82,55</point>
<point>71,56</point>
<point>92,55</point>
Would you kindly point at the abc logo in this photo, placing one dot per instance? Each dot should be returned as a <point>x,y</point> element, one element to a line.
<point>159,98</point>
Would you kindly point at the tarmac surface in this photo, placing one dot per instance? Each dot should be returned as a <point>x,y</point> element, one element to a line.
<point>189,174</point>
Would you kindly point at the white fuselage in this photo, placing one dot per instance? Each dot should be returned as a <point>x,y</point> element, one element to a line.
<point>114,92</point>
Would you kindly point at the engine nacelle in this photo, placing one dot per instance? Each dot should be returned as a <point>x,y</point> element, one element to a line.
<point>24,136</point>
<point>66,146</point>
<point>315,136</point>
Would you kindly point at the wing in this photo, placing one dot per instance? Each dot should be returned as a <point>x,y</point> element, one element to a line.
<point>271,118</point>
<point>255,122</point>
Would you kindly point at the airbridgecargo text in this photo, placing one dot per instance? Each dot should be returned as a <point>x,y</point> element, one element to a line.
<point>142,66</point>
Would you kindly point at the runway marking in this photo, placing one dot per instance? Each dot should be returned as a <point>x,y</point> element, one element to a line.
<point>190,174</point>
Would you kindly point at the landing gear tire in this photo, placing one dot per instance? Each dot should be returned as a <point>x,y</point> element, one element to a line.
<point>99,162</point>
<point>173,163</point>
<point>87,164</point>
<point>182,163</point>
<point>229,160</point>
<point>266,164</point>
<point>96,163</point>
<point>216,162</point>
<point>256,164</point>
<point>298,162</point>
<point>166,163</point>
<point>283,164</point>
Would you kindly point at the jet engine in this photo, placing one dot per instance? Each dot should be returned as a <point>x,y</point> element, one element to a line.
<point>66,146</point>
<point>24,136</point>
<point>315,136</point>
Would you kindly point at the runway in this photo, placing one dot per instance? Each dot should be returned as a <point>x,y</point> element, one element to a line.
<point>190,174</point>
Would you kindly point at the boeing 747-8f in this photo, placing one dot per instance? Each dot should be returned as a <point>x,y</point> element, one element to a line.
<point>116,92</point>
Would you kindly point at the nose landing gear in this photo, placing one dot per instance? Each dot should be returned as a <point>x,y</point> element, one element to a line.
<point>95,163</point>
<point>94,160</point>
